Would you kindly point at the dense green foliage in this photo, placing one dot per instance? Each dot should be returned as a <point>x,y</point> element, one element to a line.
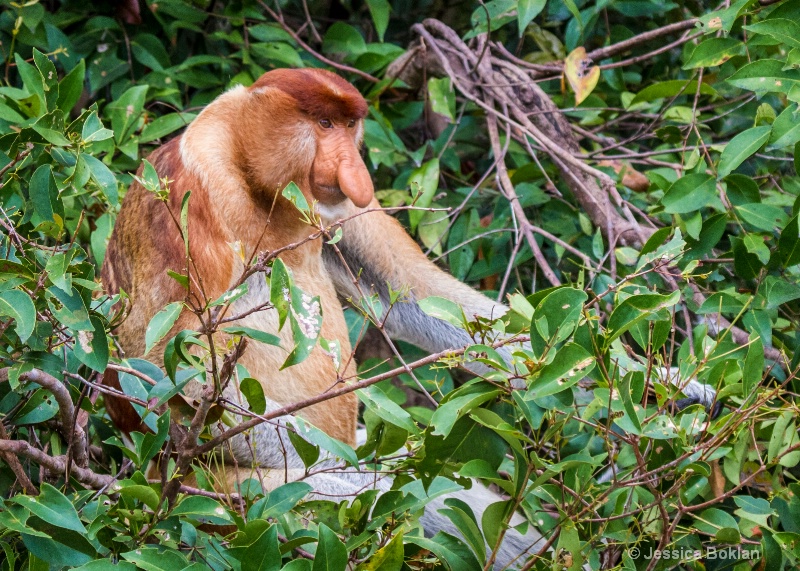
<point>714,240</point>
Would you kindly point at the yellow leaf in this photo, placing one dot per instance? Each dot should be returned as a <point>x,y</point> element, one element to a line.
<point>581,73</point>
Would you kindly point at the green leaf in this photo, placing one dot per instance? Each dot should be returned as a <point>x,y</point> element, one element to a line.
<point>49,77</point>
<point>635,309</point>
<point>785,128</point>
<point>741,189</point>
<point>380,10</point>
<point>306,321</point>
<point>309,453</point>
<point>754,509</point>
<point>331,554</point>
<point>722,303</point>
<point>527,10</point>
<point>713,52</point>
<point>343,39</point>
<point>19,306</point>
<point>71,87</point>
<point>789,243</point>
<point>778,291</point>
<point>763,216</point>
<point>741,147</point>
<point>106,565</point>
<point>93,129</point>
<point>184,218</point>
<point>264,553</point>
<point>152,442</point>
<point>67,549</point>
<point>69,308</point>
<point>387,558</point>
<point>161,323</point>
<point>314,435</point>
<point>746,265</point>
<point>230,296</point>
<point>492,520</point>
<point>423,183</point>
<point>14,518</point>
<point>280,52</point>
<point>571,363</point>
<point>165,125</point>
<point>753,366</point>
<point>53,507</point>
<point>102,177</point>
<point>279,501</point>
<point>754,243</point>
<point>630,396</point>
<point>491,16</point>
<point>449,550</point>
<point>44,193</point>
<point>145,494</point>
<point>443,309</point>
<point>126,111</point>
<point>784,436</point>
<point>157,559</point>
<point>254,334</point>
<point>557,315</point>
<point>723,20</point>
<point>298,565</point>
<point>293,194</point>
<point>442,97</point>
<point>41,406</point>
<point>385,408</point>
<point>652,252</point>
<point>254,393</point>
<point>446,415</point>
<point>149,179</point>
<point>765,75</point>
<point>280,290</point>
<point>671,88</point>
<point>785,31</point>
<point>202,508</point>
<point>32,80</point>
<point>689,193</point>
<point>91,347</point>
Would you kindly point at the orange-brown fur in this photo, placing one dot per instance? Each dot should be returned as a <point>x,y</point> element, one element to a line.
<point>235,158</point>
<point>303,126</point>
<point>233,168</point>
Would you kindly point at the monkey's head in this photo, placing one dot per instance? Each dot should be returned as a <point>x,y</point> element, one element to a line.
<point>330,110</point>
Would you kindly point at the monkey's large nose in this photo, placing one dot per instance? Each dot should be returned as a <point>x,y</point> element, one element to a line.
<point>354,180</point>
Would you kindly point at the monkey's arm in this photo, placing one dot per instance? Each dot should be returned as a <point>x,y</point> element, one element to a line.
<point>374,254</point>
<point>375,251</point>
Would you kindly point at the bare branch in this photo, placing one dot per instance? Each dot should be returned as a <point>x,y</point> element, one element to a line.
<point>56,464</point>
<point>72,433</point>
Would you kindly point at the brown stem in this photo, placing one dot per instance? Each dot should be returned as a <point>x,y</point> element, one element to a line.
<point>72,433</point>
<point>332,394</point>
<point>56,464</point>
<point>13,462</point>
<point>625,45</point>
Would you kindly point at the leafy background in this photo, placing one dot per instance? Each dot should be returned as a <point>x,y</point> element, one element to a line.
<point>686,121</point>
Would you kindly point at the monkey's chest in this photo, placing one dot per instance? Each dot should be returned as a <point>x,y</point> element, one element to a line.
<point>320,369</point>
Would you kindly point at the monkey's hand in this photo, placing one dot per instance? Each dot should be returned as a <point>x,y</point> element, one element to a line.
<point>695,391</point>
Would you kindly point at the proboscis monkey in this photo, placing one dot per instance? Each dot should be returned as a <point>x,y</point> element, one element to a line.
<point>304,126</point>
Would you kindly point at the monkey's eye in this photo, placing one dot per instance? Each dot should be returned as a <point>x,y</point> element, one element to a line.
<point>325,123</point>
<point>351,123</point>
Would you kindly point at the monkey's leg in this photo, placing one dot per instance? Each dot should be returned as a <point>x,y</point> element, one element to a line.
<point>267,452</point>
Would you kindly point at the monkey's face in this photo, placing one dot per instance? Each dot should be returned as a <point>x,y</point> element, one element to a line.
<point>306,104</point>
<point>338,172</point>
